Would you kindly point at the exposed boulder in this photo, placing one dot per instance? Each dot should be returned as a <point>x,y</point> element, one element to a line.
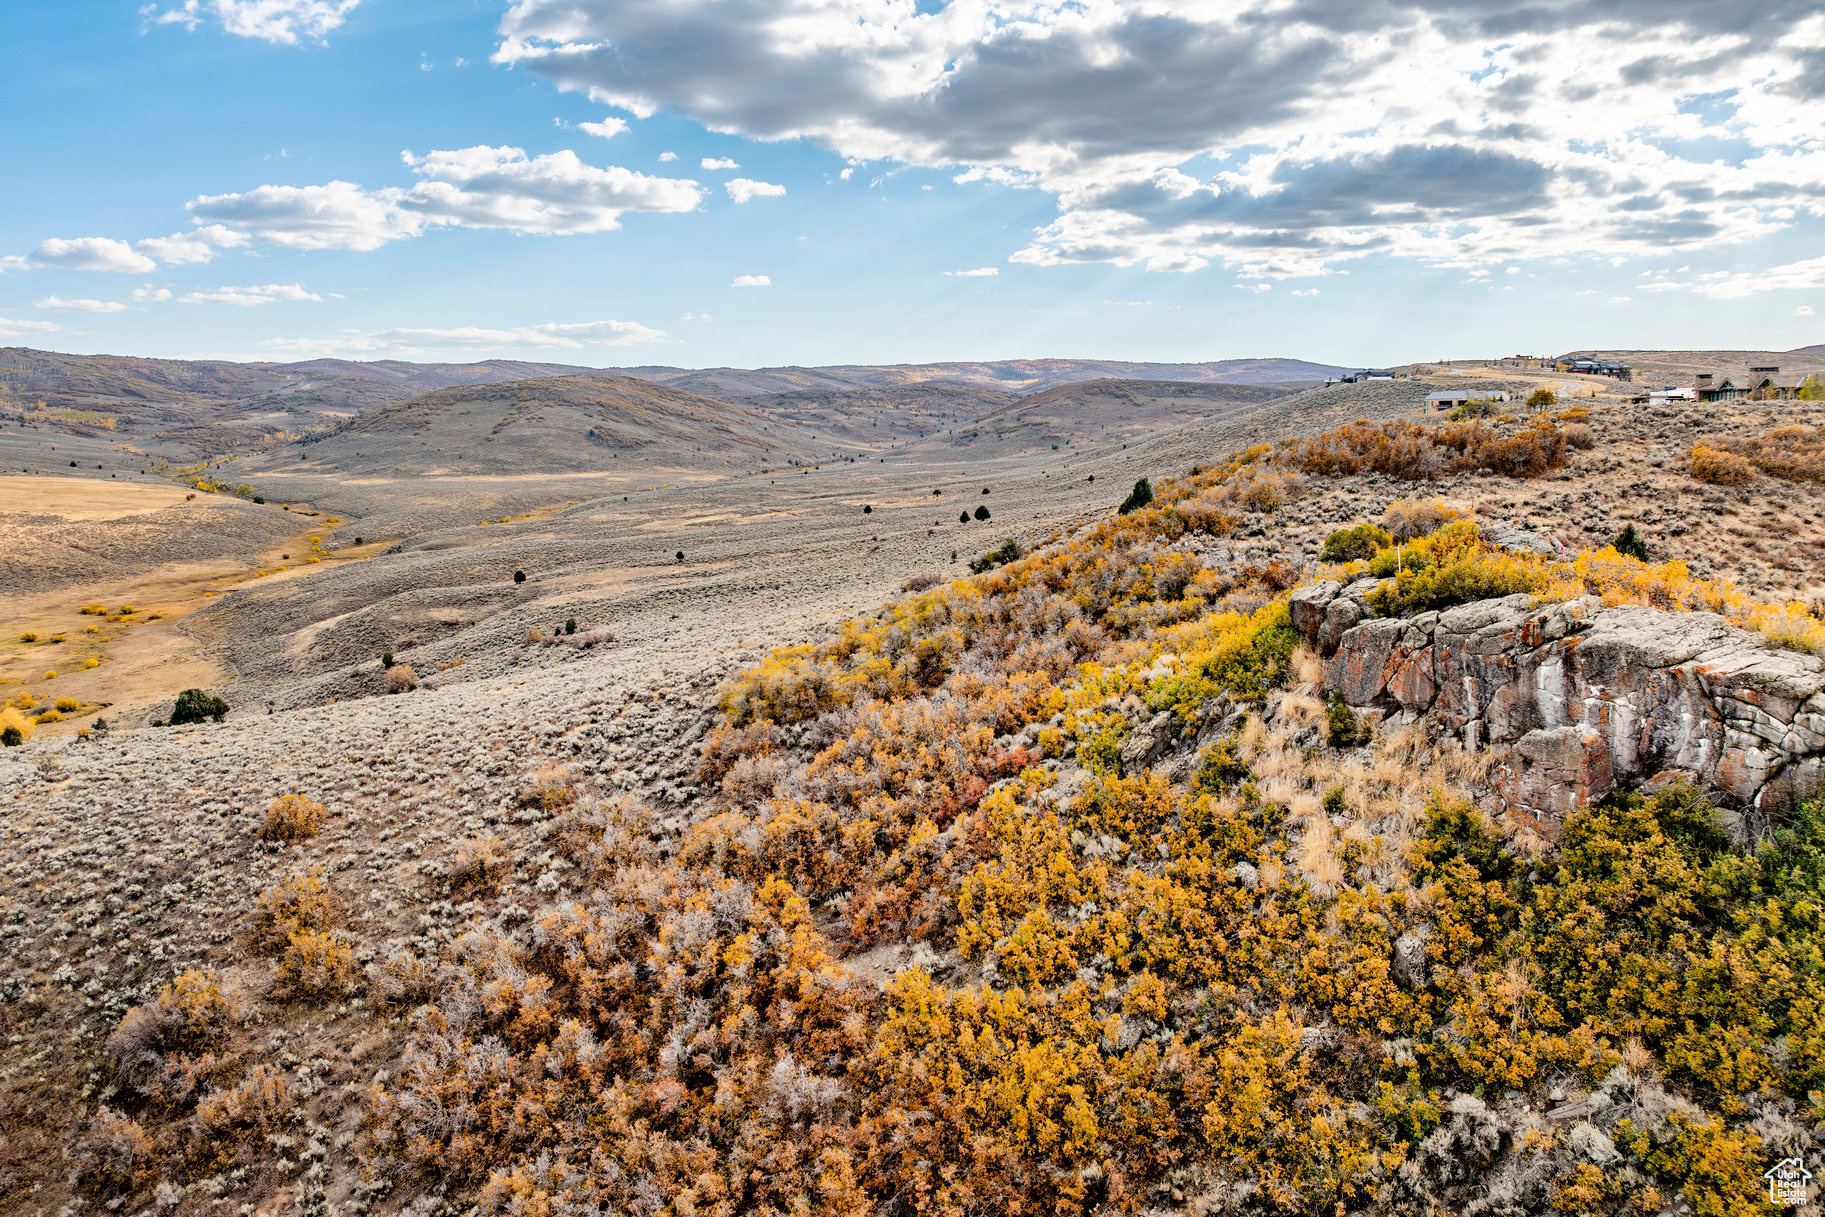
<point>1409,967</point>
<point>1582,698</point>
<point>1148,743</point>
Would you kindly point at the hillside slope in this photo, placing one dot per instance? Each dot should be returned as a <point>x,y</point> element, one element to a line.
<point>551,425</point>
<point>1065,887</point>
<point>1096,412</point>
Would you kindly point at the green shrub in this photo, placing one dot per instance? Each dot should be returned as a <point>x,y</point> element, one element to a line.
<point>982,513</point>
<point>11,736</point>
<point>1221,769</point>
<point>570,625</point>
<point>1139,497</point>
<point>1346,726</point>
<point>194,705</point>
<point>519,576</point>
<point>1354,544</point>
<point>1629,544</point>
<point>1006,552</point>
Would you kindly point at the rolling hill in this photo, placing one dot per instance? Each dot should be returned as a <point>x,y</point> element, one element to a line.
<point>559,424</point>
<point>1087,414</point>
<point>1018,375</point>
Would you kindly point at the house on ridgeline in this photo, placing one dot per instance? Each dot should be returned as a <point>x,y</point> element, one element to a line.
<point>1613,368</point>
<point>1769,385</point>
<point>1710,387</point>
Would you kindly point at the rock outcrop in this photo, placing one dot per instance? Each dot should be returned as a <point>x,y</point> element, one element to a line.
<point>1581,698</point>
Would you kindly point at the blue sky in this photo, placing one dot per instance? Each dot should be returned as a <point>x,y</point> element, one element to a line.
<point>277,179</point>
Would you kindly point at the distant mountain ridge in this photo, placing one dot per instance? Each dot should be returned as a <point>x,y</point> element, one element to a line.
<point>1020,375</point>
<point>126,381</point>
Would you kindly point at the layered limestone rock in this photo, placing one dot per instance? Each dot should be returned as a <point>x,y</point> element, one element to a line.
<point>1581,699</point>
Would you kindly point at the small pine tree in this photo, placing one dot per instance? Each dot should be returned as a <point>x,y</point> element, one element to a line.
<point>194,705</point>
<point>570,625</point>
<point>867,511</point>
<point>680,555</point>
<point>963,517</point>
<point>1139,497</point>
<point>1628,543</point>
<point>11,736</point>
<point>519,576</point>
<point>982,513</point>
<point>386,659</point>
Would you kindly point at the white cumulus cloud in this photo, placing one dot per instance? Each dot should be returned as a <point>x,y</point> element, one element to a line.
<point>92,253</point>
<point>751,281</point>
<point>185,248</point>
<point>608,128</point>
<point>249,297</point>
<point>80,306</point>
<point>335,215</point>
<point>485,187</point>
<point>26,329</point>
<point>479,187</point>
<point>717,162</point>
<point>741,189</point>
<point>981,272</point>
<point>282,21</point>
<point>151,295</point>
<point>1794,276</point>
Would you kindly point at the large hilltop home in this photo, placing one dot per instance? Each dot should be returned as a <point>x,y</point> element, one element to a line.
<point>1769,385</point>
<point>1613,368</point>
<point>1762,384</point>
<point>1710,388</point>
